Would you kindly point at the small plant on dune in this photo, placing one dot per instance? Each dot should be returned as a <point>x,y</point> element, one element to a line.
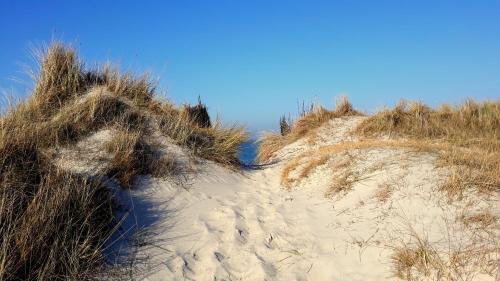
<point>483,219</point>
<point>285,125</point>
<point>308,121</point>
<point>409,262</point>
<point>457,260</point>
<point>198,114</point>
<point>384,192</point>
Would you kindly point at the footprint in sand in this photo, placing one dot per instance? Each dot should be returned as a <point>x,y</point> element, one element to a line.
<point>242,233</point>
<point>219,257</point>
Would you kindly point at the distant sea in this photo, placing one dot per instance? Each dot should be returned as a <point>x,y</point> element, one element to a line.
<point>248,152</point>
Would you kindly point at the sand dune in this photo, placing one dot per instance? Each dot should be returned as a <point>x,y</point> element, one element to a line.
<point>102,180</point>
<point>216,224</point>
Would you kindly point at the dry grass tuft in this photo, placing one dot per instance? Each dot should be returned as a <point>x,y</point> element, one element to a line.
<point>320,115</point>
<point>422,261</point>
<point>219,144</point>
<point>483,219</point>
<point>384,192</point>
<point>132,156</point>
<point>471,169</point>
<point>305,125</point>
<point>286,179</point>
<point>313,164</point>
<point>269,144</point>
<point>53,224</point>
<point>342,182</point>
<point>408,262</point>
<point>301,167</point>
<point>62,77</point>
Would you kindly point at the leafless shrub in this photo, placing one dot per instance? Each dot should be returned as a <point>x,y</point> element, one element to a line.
<point>285,125</point>
<point>198,114</point>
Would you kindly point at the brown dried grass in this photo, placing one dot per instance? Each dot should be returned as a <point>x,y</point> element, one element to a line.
<point>468,136</point>
<point>306,124</point>
<point>54,224</point>
<point>471,169</point>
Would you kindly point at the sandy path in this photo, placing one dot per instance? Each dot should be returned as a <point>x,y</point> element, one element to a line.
<point>244,227</point>
<point>222,225</point>
<point>247,229</point>
<point>229,226</point>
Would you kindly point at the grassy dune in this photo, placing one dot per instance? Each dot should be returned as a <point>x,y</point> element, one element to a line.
<point>54,224</point>
<point>466,142</point>
<point>466,138</point>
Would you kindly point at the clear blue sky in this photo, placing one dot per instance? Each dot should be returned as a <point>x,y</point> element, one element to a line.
<point>252,60</point>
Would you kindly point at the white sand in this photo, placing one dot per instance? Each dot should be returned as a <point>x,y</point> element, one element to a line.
<point>222,225</point>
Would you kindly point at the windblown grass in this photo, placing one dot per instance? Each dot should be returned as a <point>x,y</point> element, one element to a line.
<point>215,142</point>
<point>132,156</point>
<point>303,126</point>
<point>466,144</point>
<point>471,169</point>
<point>54,224</point>
<point>465,141</point>
<point>469,124</point>
<point>469,135</point>
<point>219,144</point>
<point>465,138</point>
